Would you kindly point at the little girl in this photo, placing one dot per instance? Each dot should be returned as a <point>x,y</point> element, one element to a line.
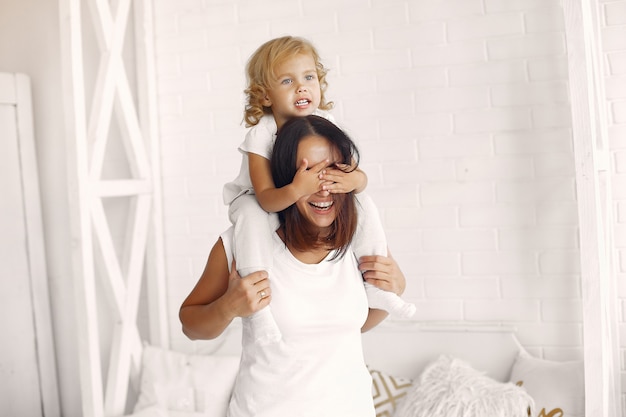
<point>286,79</point>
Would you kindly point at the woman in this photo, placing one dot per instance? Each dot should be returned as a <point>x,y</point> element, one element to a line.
<point>316,291</point>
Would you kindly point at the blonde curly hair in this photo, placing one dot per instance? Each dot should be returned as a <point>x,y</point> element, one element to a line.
<point>260,73</point>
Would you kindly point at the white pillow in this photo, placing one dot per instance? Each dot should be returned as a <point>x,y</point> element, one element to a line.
<point>156,411</point>
<point>152,411</point>
<point>178,382</point>
<point>553,385</point>
<point>450,387</point>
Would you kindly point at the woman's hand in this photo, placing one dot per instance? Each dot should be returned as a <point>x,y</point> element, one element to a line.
<point>219,296</point>
<point>383,272</point>
<point>249,294</point>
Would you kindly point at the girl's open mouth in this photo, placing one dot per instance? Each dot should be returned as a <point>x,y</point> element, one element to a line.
<point>302,103</point>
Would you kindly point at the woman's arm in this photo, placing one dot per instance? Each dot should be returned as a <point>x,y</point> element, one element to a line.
<point>219,296</point>
<point>306,182</point>
<point>383,272</point>
<point>374,318</point>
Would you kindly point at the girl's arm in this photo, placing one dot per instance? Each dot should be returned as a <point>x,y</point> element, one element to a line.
<point>306,182</point>
<point>219,296</point>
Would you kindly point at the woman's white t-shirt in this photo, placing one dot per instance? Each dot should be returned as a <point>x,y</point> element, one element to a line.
<point>317,369</point>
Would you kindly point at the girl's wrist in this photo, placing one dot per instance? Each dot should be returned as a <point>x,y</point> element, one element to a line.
<point>294,193</point>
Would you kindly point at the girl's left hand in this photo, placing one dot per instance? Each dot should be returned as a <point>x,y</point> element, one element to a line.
<point>337,181</point>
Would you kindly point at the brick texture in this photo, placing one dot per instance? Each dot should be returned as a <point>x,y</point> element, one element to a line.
<point>461,110</point>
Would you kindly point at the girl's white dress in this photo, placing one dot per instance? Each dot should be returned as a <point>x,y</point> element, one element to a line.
<point>317,368</point>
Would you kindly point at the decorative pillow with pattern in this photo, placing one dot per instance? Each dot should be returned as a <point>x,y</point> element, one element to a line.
<point>388,391</point>
<point>558,388</point>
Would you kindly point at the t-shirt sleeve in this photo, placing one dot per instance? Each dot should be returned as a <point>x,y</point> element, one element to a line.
<point>228,241</point>
<point>260,138</point>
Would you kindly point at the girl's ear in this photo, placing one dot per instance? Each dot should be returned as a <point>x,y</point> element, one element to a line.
<point>266,101</point>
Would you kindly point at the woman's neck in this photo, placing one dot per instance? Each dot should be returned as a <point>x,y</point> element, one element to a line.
<point>309,256</point>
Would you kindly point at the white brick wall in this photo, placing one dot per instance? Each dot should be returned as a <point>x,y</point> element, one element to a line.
<point>461,111</point>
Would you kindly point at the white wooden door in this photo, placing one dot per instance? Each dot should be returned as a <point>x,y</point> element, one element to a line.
<point>19,378</point>
<point>28,385</point>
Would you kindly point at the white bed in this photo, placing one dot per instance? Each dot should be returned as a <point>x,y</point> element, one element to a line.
<point>400,356</point>
<point>405,348</point>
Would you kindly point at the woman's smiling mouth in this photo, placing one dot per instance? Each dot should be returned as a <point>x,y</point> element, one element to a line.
<point>322,205</point>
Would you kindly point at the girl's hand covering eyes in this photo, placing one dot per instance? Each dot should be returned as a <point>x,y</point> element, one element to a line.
<point>342,178</point>
<point>307,180</point>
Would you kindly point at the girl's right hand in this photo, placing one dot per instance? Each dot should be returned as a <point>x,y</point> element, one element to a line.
<point>307,180</point>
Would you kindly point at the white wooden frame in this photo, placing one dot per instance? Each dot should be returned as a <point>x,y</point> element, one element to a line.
<point>593,182</point>
<point>22,100</point>
<point>94,253</point>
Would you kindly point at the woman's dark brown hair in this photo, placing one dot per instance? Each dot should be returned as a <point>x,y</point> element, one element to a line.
<point>298,232</point>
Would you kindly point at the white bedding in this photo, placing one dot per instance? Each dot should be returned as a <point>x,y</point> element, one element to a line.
<point>397,354</point>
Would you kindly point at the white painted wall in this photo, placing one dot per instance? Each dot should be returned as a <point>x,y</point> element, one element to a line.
<point>462,115</point>
<point>461,111</point>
